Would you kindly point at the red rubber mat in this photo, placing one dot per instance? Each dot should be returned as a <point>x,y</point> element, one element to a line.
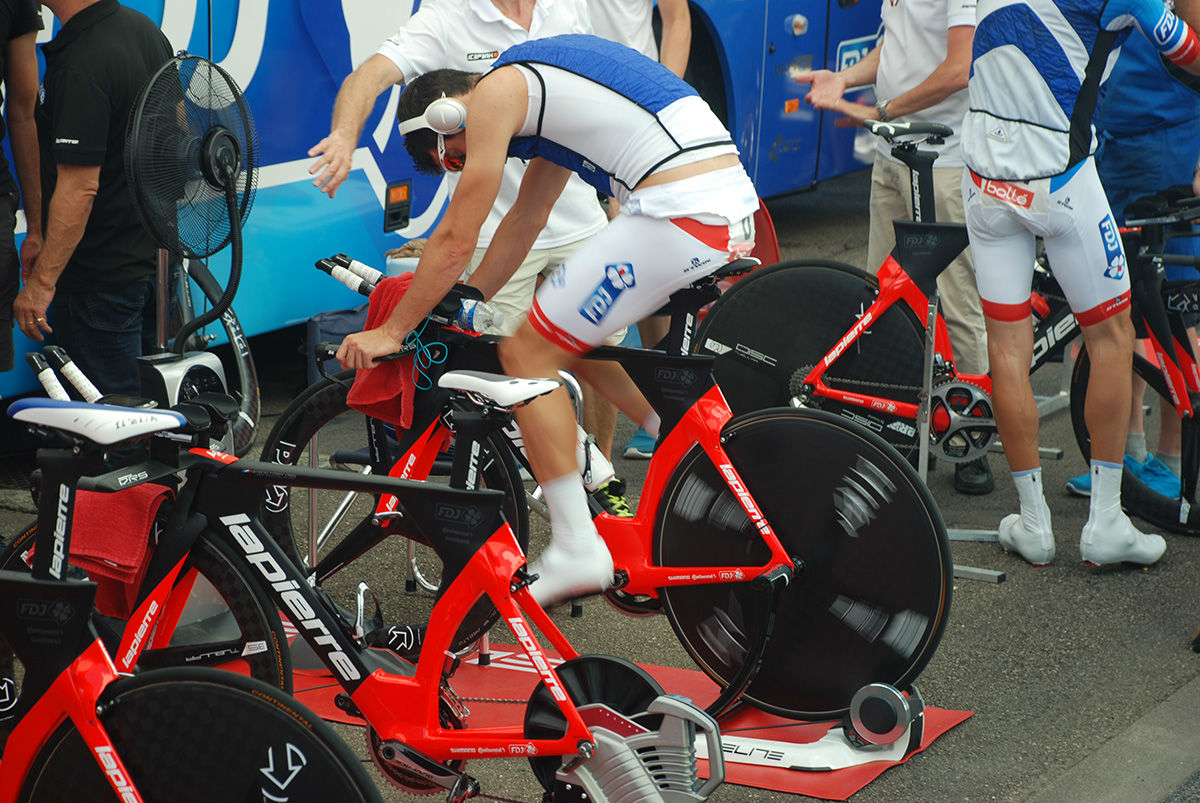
<point>510,677</point>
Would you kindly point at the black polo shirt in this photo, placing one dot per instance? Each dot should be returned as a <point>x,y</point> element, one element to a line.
<point>17,18</point>
<point>96,67</point>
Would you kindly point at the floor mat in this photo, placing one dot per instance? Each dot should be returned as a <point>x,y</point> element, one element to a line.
<point>510,676</point>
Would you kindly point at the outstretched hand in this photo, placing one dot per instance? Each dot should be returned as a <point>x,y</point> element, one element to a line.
<point>336,155</point>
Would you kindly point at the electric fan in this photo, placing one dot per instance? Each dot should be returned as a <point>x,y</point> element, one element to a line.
<point>191,160</point>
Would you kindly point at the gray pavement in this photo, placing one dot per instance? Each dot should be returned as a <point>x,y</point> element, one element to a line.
<point>1082,680</point>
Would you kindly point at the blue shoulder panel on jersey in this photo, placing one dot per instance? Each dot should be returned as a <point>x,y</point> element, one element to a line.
<point>624,70</point>
<point>1019,26</point>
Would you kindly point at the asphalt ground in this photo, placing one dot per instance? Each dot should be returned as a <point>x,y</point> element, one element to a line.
<point>1082,681</point>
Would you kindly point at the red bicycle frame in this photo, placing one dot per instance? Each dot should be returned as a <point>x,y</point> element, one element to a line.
<point>895,287</point>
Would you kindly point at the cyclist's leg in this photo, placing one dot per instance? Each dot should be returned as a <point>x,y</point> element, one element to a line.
<point>1003,249</point>
<point>621,275</point>
<point>1085,249</point>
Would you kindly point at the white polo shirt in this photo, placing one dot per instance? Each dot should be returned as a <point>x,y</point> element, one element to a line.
<point>452,34</point>
<point>627,22</point>
<point>914,44</point>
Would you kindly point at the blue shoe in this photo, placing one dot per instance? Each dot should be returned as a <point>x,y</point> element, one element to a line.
<point>640,446</point>
<point>1082,485</point>
<point>1158,478</point>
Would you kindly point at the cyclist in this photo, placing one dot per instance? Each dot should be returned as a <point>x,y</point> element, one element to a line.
<point>1031,172</point>
<point>635,131</point>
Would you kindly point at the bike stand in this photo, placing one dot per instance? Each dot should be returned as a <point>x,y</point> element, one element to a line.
<point>923,413</point>
<point>884,724</point>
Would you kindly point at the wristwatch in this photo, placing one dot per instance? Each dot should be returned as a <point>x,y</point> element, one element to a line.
<point>881,107</point>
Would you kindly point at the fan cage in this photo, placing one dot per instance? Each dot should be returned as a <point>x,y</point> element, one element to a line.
<point>182,106</point>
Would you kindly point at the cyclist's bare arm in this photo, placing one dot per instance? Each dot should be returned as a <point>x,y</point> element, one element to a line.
<point>496,107</point>
<point>540,188</point>
<point>354,102</point>
<point>828,87</point>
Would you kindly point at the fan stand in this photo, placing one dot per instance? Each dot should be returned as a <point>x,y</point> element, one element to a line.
<point>168,377</point>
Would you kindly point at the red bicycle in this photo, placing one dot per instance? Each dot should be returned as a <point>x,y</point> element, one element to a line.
<point>823,334</point>
<point>732,509</point>
<point>80,730</point>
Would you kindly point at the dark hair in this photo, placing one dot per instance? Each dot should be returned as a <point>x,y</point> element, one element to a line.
<point>416,97</point>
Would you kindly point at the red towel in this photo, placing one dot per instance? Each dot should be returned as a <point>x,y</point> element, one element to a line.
<point>385,391</point>
<point>110,540</point>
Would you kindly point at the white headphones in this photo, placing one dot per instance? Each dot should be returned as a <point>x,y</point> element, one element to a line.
<point>444,116</point>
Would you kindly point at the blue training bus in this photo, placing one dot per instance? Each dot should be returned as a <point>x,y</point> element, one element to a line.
<point>290,56</point>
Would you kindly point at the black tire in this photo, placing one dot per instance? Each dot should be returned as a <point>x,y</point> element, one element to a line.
<point>230,621</point>
<point>322,409</point>
<point>1137,498</point>
<point>870,602</point>
<point>769,329</point>
<point>202,735</point>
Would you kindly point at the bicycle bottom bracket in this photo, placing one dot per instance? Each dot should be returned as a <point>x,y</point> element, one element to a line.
<point>961,424</point>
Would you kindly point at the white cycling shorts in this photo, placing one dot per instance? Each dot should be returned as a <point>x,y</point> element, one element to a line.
<point>1071,215</point>
<point>628,270</point>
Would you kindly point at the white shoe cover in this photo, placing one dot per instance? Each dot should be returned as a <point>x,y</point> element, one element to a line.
<point>1036,546</point>
<point>568,573</point>
<point>1119,542</point>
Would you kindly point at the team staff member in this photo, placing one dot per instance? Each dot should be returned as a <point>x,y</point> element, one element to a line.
<point>1031,173</point>
<point>19,24</point>
<point>469,36</point>
<point>637,132</point>
<point>97,263</point>
<point>920,69</point>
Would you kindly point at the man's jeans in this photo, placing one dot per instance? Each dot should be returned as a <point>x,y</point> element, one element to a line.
<point>105,332</point>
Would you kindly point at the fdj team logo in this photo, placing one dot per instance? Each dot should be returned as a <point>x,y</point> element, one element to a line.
<point>1113,253</point>
<point>617,279</point>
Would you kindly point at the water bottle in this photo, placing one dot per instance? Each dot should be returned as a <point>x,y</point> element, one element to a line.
<point>477,316</point>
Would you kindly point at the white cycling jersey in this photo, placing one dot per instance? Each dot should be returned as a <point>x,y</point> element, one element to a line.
<point>1038,67</point>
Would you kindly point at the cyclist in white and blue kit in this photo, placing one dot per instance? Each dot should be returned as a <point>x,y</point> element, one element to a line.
<point>1028,142</point>
<point>635,131</point>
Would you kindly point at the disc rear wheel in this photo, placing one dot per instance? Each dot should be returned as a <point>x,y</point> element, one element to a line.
<point>869,601</point>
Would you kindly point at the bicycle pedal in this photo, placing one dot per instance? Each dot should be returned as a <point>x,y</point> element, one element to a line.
<point>521,579</point>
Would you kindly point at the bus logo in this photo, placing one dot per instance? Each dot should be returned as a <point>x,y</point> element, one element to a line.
<point>852,51</point>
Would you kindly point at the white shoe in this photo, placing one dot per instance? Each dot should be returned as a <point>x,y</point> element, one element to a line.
<point>1119,542</point>
<point>1036,547</point>
<point>568,573</point>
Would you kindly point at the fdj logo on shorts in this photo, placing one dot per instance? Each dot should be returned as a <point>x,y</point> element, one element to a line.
<point>1113,253</point>
<point>617,279</point>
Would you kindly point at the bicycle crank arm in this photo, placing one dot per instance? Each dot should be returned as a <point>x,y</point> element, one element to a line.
<point>460,786</point>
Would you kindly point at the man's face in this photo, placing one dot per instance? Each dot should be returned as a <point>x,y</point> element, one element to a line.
<point>452,155</point>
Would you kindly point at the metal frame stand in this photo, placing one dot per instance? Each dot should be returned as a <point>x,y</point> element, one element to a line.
<point>923,412</point>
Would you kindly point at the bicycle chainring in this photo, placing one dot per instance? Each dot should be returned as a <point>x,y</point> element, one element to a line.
<point>407,781</point>
<point>961,422</point>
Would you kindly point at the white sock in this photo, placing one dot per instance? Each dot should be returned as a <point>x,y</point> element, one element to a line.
<point>651,424</point>
<point>1105,501</point>
<point>571,524</point>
